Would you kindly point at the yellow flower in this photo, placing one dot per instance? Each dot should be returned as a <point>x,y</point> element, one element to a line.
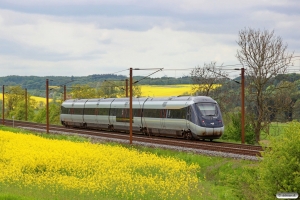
<point>29,160</point>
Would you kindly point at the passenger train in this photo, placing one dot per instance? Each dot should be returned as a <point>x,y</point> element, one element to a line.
<point>190,117</point>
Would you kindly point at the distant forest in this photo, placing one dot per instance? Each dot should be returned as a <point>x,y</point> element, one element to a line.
<point>36,84</point>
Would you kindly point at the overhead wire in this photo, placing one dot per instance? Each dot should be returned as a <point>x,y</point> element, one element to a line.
<point>148,75</point>
<point>224,76</point>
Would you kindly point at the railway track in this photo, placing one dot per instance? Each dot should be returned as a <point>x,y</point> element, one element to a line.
<point>192,145</point>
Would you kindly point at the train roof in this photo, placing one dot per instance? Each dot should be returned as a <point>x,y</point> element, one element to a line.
<point>196,99</point>
<point>147,103</point>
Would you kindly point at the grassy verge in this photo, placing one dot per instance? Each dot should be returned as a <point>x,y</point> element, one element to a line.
<point>216,174</point>
<point>276,129</point>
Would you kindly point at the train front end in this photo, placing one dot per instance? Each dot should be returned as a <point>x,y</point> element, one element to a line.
<point>207,119</point>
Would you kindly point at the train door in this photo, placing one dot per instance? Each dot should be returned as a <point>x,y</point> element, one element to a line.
<point>188,116</point>
<point>72,113</point>
<point>103,109</point>
<point>97,113</point>
<point>122,118</point>
<point>112,115</point>
<point>163,115</point>
<point>143,121</point>
<point>90,115</point>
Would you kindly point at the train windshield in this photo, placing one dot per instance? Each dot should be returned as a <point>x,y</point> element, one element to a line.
<point>208,109</point>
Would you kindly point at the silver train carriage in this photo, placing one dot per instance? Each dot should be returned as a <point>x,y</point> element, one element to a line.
<point>197,117</point>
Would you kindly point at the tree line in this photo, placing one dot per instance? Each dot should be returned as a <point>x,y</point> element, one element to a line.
<point>36,84</point>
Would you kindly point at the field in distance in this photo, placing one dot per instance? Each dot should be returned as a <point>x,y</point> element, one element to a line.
<point>150,91</point>
<point>37,99</point>
<point>166,90</point>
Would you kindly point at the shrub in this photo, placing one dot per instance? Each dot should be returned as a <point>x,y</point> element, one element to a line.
<point>279,170</point>
<point>233,130</point>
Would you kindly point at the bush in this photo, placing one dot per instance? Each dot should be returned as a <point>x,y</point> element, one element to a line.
<point>233,130</point>
<point>279,170</point>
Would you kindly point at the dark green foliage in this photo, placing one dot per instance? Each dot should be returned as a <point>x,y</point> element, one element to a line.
<point>233,129</point>
<point>278,171</point>
<point>54,114</point>
<point>296,111</point>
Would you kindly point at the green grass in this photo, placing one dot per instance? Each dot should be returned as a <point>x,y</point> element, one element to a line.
<point>276,129</point>
<point>12,197</point>
<point>13,192</point>
<point>217,175</point>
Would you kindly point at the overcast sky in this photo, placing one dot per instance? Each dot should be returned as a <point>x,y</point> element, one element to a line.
<point>85,37</point>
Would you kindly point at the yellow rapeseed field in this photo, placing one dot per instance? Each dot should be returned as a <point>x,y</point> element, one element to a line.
<point>169,90</point>
<point>166,90</point>
<point>115,171</point>
<point>37,99</point>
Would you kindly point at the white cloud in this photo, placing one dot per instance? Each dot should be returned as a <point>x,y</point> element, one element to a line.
<point>184,35</point>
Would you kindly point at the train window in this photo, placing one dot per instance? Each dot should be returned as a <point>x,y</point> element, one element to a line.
<point>77,111</point>
<point>154,113</point>
<point>122,115</point>
<point>103,111</point>
<point>177,113</point>
<point>136,112</point>
<point>90,111</point>
<point>64,110</point>
<point>208,109</point>
<point>188,113</point>
<point>112,112</point>
<point>118,112</point>
<point>163,113</point>
<point>125,113</point>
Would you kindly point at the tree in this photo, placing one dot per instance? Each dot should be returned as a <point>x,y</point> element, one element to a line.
<point>83,92</point>
<point>285,97</point>
<point>212,81</point>
<point>19,109</point>
<point>264,56</point>
<point>205,78</point>
<point>136,90</point>
<point>15,104</point>
<point>54,113</point>
<point>113,89</point>
<point>15,95</point>
<point>296,110</point>
<point>107,89</point>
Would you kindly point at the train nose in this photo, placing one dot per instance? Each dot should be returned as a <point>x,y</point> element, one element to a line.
<point>214,131</point>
